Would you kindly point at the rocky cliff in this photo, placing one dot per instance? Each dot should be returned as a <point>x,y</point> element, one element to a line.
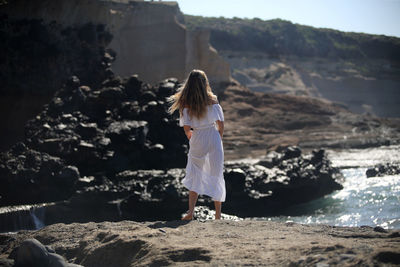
<point>45,42</point>
<point>359,70</point>
<point>148,37</point>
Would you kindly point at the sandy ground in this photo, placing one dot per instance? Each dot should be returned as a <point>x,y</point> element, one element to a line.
<point>215,243</point>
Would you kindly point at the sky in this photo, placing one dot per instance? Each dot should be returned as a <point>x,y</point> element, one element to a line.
<point>368,16</point>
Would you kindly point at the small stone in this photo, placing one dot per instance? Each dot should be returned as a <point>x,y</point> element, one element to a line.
<point>380,229</point>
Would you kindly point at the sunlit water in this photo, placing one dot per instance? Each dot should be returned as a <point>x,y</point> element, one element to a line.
<point>363,201</point>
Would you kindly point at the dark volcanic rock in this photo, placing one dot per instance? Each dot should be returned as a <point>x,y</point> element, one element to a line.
<point>279,181</point>
<point>382,170</point>
<point>37,57</point>
<point>88,131</point>
<point>252,190</point>
<point>29,176</point>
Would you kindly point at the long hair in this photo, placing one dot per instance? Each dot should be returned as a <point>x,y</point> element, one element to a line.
<point>195,95</point>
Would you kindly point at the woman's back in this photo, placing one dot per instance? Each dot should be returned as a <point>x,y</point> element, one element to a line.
<point>214,113</point>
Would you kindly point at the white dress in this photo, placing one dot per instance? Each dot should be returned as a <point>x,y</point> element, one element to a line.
<point>204,170</point>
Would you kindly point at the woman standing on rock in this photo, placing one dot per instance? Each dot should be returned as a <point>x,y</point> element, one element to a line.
<point>200,115</point>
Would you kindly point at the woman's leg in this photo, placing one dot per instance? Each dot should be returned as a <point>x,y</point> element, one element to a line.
<point>192,203</point>
<point>217,205</point>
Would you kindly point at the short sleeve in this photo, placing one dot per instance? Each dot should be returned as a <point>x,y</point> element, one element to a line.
<point>184,119</point>
<point>218,113</point>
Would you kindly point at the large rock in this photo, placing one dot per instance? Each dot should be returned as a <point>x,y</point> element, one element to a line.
<point>29,176</point>
<point>33,253</point>
<point>279,181</point>
<point>382,170</point>
<point>90,131</point>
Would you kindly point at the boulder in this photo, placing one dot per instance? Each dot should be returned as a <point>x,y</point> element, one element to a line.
<point>256,190</point>
<point>133,86</point>
<point>33,253</point>
<point>383,170</point>
<point>29,176</point>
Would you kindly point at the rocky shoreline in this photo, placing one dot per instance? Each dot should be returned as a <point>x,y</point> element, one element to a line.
<point>237,243</point>
<point>101,166</point>
<point>115,149</point>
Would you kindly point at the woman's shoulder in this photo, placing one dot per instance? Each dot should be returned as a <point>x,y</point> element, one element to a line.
<point>214,102</point>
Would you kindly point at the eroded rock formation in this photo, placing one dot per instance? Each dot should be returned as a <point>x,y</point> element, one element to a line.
<point>45,42</point>
<point>148,37</point>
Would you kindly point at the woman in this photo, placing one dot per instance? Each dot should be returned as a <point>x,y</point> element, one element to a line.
<point>203,122</point>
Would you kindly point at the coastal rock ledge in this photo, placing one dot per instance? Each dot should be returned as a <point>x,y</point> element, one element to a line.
<point>219,243</point>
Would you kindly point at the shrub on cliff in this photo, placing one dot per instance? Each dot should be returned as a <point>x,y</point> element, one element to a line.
<point>279,37</point>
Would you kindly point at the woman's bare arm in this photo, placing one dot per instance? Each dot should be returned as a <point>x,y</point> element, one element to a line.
<point>220,128</point>
<point>188,131</point>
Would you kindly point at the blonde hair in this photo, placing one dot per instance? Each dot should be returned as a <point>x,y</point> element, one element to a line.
<point>195,94</point>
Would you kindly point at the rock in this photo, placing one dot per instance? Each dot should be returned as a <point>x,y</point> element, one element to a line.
<point>130,110</point>
<point>160,194</point>
<point>383,169</point>
<point>32,253</point>
<point>133,86</point>
<point>34,177</point>
<point>317,156</point>
<point>127,132</point>
<point>73,83</point>
<point>390,257</point>
<point>236,179</point>
<point>87,130</point>
<point>148,96</point>
<point>380,229</point>
<point>372,172</point>
<point>68,176</point>
<point>292,152</point>
<point>260,191</point>
<point>6,262</point>
<point>110,96</point>
<point>78,98</point>
<point>167,88</point>
<point>395,234</point>
<point>203,213</point>
<point>113,82</point>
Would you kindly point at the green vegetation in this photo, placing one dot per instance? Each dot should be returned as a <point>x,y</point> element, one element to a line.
<point>280,37</point>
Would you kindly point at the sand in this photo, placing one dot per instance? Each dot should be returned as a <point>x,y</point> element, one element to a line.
<point>215,243</point>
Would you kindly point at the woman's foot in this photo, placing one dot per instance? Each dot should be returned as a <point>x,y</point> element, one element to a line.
<point>187,217</point>
<point>217,205</point>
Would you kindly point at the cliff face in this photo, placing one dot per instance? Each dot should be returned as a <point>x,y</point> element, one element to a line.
<point>148,37</point>
<point>364,85</point>
<point>36,59</point>
<point>45,42</point>
<point>359,70</point>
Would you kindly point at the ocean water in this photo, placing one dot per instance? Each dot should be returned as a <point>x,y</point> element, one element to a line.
<point>363,201</point>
